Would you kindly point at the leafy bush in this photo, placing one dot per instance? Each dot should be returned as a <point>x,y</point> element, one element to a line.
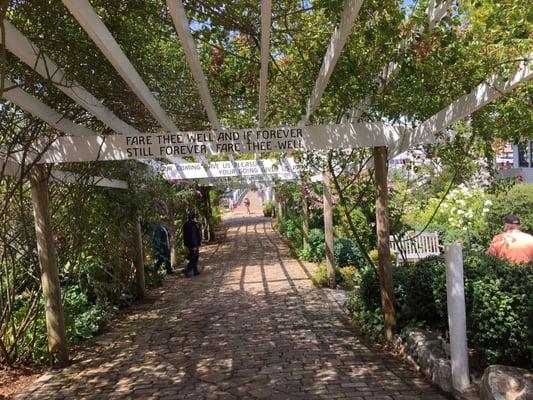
<point>498,300</point>
<point>368,322</point>
<point>315,249</point>
<point>82,320</point>
<point>499,308</point>
<point>293,232</point>
<point>268,209</point>
<point>347,277</point>
<point>518,201</point>
<point>346,253</point>
<point>320,277</point>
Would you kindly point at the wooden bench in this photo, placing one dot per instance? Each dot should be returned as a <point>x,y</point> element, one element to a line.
<point>414,246</point>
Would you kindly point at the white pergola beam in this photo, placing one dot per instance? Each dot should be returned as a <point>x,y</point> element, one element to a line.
<point>266,22</point>
<point>30,54</point>
<point>130,147</point>
<point>486,92</point>
<point>34,106</point>
<point>435,13</point>
<point>40,110</point>
<point>73,177</point>
<point>177,11</point>
<point>13,169</point>
<point>336,45</point>
<point>98,32</point>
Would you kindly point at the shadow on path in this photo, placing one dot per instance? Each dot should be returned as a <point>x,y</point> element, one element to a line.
<point>251,326</point>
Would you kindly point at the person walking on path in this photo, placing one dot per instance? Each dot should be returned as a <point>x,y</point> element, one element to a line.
<point>512,245</point>
<point>247,204</point>
<point>161,245</point>
<point>192,239</point>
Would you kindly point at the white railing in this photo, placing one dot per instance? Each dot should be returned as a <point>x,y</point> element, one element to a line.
<point>413,246</point>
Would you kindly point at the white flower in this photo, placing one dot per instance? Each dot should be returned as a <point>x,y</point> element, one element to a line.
<point>461,202</point>
<point>488,202</point>
<point>460,212</point>
<point>485,210</point>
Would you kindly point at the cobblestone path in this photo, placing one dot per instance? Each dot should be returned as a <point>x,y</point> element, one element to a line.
<point>251,326</point>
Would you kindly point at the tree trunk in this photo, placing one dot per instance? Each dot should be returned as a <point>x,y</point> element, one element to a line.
<point>55,320</point>
<point>140,289</point>
<point>382,228</point>
<point>328,229</point>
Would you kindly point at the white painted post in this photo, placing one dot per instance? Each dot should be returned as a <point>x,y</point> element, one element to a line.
<point>457,316</point>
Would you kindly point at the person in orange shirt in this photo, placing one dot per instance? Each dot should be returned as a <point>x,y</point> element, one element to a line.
<point>512,245</point>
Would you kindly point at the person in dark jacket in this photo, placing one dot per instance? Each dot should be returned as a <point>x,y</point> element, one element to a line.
<point>161,245</point>
<point>192,239</point>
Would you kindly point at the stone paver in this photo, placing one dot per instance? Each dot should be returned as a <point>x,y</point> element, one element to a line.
<point>251,326</point>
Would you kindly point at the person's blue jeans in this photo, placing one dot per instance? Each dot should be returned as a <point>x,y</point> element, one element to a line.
<point>193,257</point>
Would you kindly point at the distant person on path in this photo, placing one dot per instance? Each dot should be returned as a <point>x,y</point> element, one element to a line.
<point>512,245</point>
<point>161,245</point>
<point>247,204</point>
<point>231,205</point>
<point>192,239</point>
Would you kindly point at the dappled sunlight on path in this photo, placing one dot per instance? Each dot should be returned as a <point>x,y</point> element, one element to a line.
<point>251,326</point>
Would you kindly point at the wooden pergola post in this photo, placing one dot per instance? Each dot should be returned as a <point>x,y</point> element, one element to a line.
<point>305,211</point>
<point>55,319</point>
<point>383,245</point>
<point>174,261</point>
<point>328,228</point>
<point>279,211</point>
<point>140,288</point>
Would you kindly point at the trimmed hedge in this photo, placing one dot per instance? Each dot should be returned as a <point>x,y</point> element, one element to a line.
<point>499,304</point>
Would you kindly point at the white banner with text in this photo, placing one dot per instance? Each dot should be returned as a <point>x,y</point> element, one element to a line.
<point>162,145</point>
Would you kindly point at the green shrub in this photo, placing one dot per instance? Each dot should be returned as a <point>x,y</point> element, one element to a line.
<point>281,226</point>
<point>83,319</point>
<point>347,277</point>
<point>315,249</point>
<point>499,308</point>
<point>268,209</point>
<point>498,300</point>
<point>368,322</point>
<point>346,252</point>
<point>414,290</point>
<point>518,201</point>
<point>293,232</point>
<point>320,277</point>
